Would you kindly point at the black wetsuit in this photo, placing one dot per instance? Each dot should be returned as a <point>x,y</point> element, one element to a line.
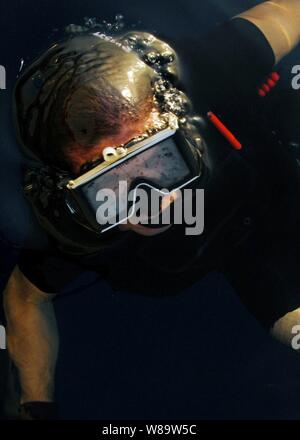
<point>251,205</point>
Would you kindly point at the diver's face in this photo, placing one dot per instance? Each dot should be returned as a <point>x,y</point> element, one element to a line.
<point>80,158</point>
<point>146,231</point>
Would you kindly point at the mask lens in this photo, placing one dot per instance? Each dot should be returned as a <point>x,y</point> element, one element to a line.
<point>112,196</point>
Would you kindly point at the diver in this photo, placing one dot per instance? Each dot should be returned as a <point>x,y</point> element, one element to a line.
<point>94,110</point>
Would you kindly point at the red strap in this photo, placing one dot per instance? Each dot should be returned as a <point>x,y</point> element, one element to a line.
<point>224,131</point>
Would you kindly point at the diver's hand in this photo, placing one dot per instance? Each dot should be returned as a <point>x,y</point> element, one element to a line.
<point>279,20</point>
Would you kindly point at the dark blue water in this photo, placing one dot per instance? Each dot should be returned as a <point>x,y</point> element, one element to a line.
<point>200,355</point>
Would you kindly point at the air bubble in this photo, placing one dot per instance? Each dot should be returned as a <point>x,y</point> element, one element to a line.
<point>90,22</point>
<point>168,57</point>
<point>151,57</point>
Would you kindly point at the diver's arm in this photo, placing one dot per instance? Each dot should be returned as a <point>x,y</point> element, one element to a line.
<point>279,20</point>
<point>32,338</point>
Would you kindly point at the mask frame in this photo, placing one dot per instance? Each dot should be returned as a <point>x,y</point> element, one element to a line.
<point>168,145</point>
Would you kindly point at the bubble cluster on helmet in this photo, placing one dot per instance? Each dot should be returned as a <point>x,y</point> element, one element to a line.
<point>152,51</point>
<point>92,24</point>
<point>164,61</point>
